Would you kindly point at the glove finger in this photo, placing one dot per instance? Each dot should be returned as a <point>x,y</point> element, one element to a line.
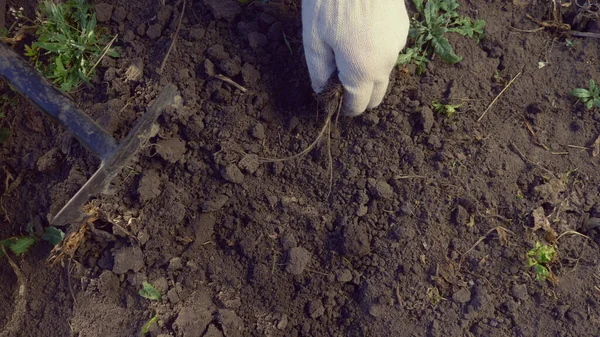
<point>379,90</point>
<point>320,61</point>
<point>356,97</point>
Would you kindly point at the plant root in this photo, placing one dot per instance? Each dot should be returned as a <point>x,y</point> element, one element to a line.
<point>16,321</point>
<point>331,98</point>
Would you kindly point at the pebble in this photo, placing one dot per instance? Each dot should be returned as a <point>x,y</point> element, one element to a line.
<point>232,174</point>
<point>298,258</point>
<point>462,296</point>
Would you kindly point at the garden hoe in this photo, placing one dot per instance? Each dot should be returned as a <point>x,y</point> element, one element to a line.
<point>26,80</point>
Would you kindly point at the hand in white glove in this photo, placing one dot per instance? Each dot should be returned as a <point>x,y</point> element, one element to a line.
<point>361,38</point>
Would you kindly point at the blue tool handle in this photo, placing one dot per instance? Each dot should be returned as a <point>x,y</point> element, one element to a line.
<point>26,80</point>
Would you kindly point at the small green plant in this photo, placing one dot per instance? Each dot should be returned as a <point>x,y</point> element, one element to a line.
<point>570,43</point>
<point>429,26</point>
<point>446,109</point>
<point>149,292</point>
<point>146,327</point>
<point>590,96</point>
<point>19,245</point>
<point>69,45</point>
<point>538,258</point>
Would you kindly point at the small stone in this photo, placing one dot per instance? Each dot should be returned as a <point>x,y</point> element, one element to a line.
<point>257,40</point>
<point>230,67</point>
<point>103,12</point>
<point>173,296</point>
<point>376,309</point>
<point>128,258</point>
<point>108,283</point>
<point>356,240</point>
<point>370,119</point>
<point>462,296</point>
<point>161,284</point>
<point>217,52</point>
<point>154,31</point>
<point>232,324</point>
<point>343,275</point>
<point>214,204</point>
<point>258,131</point>
<point>288,241</point>
<point>197,34</point>
<point>49,161</point>
<point>249,163</point>
<point>119,14</point>
<point>232,174</point>
<point>224,9</point>
<point>426,119</point>
<point>175,264</point>
<point>380,189</point>
<point>171,150</point>
<point>204,227</point>
<point>209,68</point>
<point>519,291</point>
<point>298,258</point>
<point>315,308</point>
<point>141,29</point>
<point>283,322</point>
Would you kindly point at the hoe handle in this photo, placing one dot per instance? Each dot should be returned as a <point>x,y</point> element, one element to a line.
<point>26,80</point>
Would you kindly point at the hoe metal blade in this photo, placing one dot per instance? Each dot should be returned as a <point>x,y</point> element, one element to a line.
<point>25,79</point>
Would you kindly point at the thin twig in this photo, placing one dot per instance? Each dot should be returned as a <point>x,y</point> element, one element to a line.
<point>162,66</point>
<point>106,49</point>
<point>499,228</point>
<point>497,97</point>
<point>230,81</point>
<point>574,233</point>
<point>18,310</point>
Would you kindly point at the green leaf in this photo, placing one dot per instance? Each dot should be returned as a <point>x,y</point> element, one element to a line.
<point>541,272</point>
<point>430,12</point>
<point>149,292</point>
<point>589,104</point>
<point>443,48</point>
<point>21,245</point>
<point>418,5</point>
<point>146,327</point>
<point>53,235</point>
<point>4,134</point>
<point>581,93</point>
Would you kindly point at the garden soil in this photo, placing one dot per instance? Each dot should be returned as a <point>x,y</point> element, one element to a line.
<point>422,230</point>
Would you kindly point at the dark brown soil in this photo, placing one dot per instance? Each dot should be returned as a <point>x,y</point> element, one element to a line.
<point>405,244</point>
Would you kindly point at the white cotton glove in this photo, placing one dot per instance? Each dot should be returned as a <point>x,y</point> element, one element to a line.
<point>361,38</point>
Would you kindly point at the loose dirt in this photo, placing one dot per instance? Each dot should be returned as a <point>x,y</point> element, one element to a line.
<point>425,231</point>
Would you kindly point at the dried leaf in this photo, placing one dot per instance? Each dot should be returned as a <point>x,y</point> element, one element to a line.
<point>540,221</point>
<point>596,147</point>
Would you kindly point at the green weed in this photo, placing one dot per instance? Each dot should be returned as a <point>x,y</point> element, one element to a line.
<point>149,292</point>
<point>429,26</point>
<point>446,109</point>
<point>69,45</point>
<point>19,245</point>
<point>590,96</point>
<point>146,327</point>
<point>538,258</point>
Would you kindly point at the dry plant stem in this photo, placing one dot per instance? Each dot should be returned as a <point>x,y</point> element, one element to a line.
<point>18,310</point>
<point>106,49</point>
<point>573,233</point>
<point>164,62</point>
<point>499,228</point>
<point>230,81</point>
<point>497,97</point>
<point>314,143</point>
